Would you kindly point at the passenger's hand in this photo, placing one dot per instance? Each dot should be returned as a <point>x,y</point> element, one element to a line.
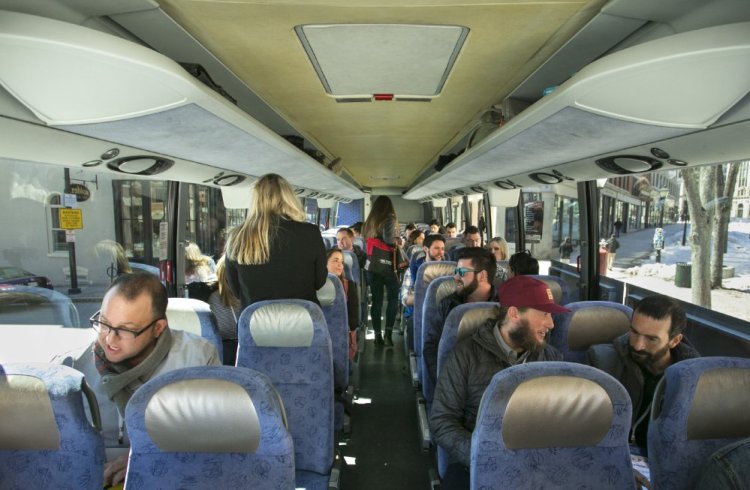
<point>641,481</point>
<point>114,471</point>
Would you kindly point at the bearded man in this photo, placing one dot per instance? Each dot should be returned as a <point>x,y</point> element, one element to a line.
<point>638,358</point>
<point>474,277</point>
<point>517,336</point>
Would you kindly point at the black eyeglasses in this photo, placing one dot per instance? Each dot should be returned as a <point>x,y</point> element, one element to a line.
<point>106,328</point>
<point>461,271</point>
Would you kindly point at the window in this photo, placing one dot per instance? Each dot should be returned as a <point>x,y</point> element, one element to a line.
<point>55,235</point>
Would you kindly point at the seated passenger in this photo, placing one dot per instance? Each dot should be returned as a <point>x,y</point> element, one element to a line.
<point>474,277</point>
<point>517,336</point>
<point>345,241</point>
<point>414,242</point>
<point>638,359</point>
<point>335,264</point>
<point>134,345</point>
<point>471,238</point>
<point>728,468</point>
<point>499,248</point>
<point>434,226</point>
<point>523,264</point>
<point>450,230</point>
<point>198,266</point>
<point>226,308</point>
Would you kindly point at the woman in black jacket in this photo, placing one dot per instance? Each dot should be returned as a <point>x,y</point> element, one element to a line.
<point>274,254</point>
<point>381,231</point>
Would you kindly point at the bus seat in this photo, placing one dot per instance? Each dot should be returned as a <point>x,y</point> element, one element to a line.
<point>351,261</point>
<point>46,441</point>
<point>440,288</point>
<point>559,288</point>
<point>289,341</point>
<point>360,242</point>
<point>195,316</point>
<point>333,303</point>
<point>588,323</point>
<point>552,424</point>
<point>29,305</point>
<point>145,267</point>
<point>462,321</point>
<point>426,273</point>
<point>700,406</point>
<point>208,427</point>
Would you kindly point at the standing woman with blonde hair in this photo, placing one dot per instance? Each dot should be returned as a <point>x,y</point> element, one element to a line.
<point>381,231</point>
<point>274,254</point>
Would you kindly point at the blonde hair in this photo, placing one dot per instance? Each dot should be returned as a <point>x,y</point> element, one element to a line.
<point>194,258</point>
<point>111,250</point>
<point>226,294</point>
<point>503,247</point>
<point>273,198</point>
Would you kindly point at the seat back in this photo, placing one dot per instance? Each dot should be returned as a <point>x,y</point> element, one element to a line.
<point>46,441</point>
<point>559,288</point>
<point>333,304</point>
<point>462,322</point>
<point>552,424</point>
<point>195,316</point>
<point>426,273</point>
<point>588,323</point>
<point>208,427</point>
<point>289,341</point>
<point>432,321</point>
<point>700,406</point>
<point>30,305</point>
<point>351,261</point>
<point>145,267</point>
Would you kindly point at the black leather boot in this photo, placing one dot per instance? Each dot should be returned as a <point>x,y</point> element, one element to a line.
<point>378,339</point>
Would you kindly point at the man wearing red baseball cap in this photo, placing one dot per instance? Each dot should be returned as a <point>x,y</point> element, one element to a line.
<point>517,336</point>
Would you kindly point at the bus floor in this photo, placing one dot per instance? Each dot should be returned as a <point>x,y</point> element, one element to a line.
<point>384,450</point>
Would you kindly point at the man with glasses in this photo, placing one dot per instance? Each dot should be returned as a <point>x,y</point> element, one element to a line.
<point>134,344</point>
<point>518,335</point>
<point>474,276</point>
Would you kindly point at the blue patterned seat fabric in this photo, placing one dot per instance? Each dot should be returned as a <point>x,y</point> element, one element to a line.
<point>46,441</point>
<point>438,289</point>
<point>700,406</point>
<point>352,262</point>
<point>462,321</point>
<point>30,305</point>
<point>289,341</point>
<point>588,323</point>
<point>208,427</point>
<point>333,303</point>
<point>196,317</point>
<point>426,273</point>
<point>552,425</point>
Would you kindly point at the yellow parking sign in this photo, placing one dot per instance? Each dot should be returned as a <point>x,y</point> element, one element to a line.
<point>71,219</point>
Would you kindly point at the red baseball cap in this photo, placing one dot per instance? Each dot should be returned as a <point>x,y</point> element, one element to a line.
<point>525,291</point>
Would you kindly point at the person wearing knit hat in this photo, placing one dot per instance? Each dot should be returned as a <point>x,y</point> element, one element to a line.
<point>516,336</point>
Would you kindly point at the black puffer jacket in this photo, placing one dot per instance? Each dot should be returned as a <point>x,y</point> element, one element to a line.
<point>461,384</point>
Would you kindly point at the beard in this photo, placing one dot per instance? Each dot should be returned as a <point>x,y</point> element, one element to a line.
<point>464,291</point>
<point>647,359</point>
<point>524,338</point>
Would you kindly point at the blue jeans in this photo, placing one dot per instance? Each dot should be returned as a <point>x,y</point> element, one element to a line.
<point>378,285</point>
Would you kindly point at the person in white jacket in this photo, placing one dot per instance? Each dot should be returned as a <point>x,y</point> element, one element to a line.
<point>133,345</point>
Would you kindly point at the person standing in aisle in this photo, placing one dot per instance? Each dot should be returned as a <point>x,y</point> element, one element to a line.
<point>274,254</point>
<point>381,231</point>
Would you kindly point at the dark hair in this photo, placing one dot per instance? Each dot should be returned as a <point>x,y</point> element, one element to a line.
<point>381,210</point>
<point>481,259</point>
<point>332,251</point>
<point>434,222</point>
<point>471,230</point>
<point>410,226</point>
<point>413,235</point>
<point>431,238</point>
<point>659,307</point>
<point>523,264</point>
<point>356,227</point>
<point>346,230</point>
<point>451,225</point>
<point>130,286</point>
